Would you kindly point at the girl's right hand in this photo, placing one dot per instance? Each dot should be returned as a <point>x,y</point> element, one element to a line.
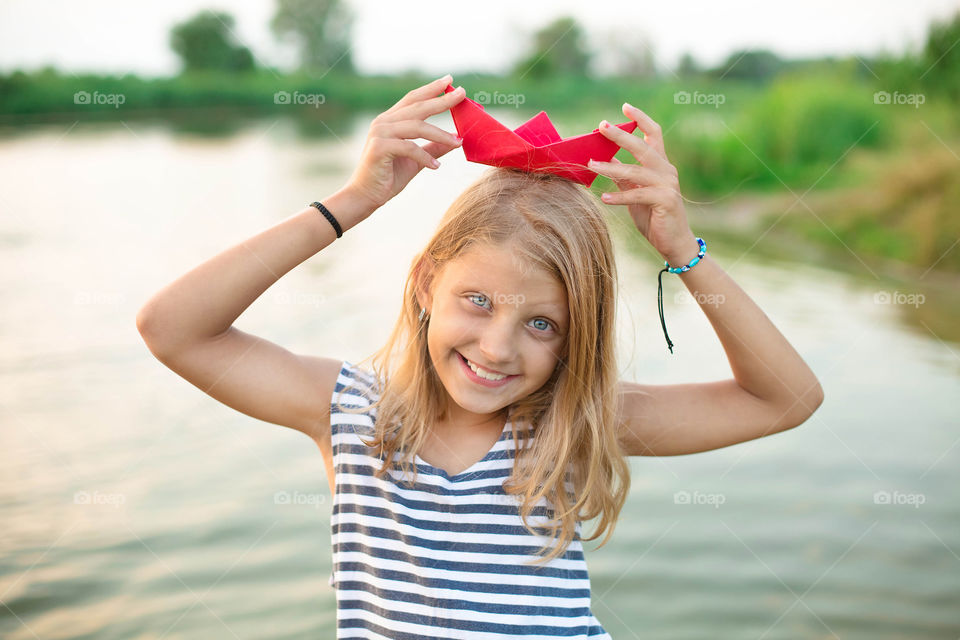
<point>390,157</point>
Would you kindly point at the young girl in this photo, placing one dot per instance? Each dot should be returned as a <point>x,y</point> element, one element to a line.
<point>463,460</point>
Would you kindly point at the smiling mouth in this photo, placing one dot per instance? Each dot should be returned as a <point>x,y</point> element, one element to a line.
<point>484,373</point>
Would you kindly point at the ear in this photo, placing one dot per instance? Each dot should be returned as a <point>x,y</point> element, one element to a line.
<point>423,278</point>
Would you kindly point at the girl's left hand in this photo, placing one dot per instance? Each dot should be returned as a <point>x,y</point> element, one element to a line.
<point>650,189</point>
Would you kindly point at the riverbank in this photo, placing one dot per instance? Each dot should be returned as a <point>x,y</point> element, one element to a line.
<point>777,228</point>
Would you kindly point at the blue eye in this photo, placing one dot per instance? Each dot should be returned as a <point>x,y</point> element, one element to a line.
<point>478,295</point>
<point>548,324</point>
<point>545,322</point>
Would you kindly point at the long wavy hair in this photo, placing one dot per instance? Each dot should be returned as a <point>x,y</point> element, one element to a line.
<point>576,461</point>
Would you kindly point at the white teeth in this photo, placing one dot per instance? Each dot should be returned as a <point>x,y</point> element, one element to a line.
<point>483,373</point>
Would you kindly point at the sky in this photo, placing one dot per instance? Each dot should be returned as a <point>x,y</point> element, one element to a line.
<point>432,36</point>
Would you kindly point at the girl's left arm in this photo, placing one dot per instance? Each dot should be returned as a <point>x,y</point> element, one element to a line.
<point>772,390</point>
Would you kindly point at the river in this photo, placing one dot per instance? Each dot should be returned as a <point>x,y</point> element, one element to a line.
<point>135,506</point>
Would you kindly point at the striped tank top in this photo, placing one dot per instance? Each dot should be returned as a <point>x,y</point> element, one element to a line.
<point>444,557</point>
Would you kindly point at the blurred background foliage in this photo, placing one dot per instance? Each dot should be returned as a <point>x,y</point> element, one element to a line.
<point>883,171</point>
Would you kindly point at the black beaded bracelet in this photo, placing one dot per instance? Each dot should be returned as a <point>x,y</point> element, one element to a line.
<point>329,216</point>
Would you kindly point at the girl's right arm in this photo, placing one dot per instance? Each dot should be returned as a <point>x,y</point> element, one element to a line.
<point>188,325</point>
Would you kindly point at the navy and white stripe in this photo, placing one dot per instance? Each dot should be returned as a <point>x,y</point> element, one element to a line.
<point>445,557</point>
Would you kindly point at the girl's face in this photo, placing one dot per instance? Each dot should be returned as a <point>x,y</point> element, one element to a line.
<point>511,325</point>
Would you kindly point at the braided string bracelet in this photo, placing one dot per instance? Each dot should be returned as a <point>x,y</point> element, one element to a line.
<point>667,267</point>
<point>329,216</point>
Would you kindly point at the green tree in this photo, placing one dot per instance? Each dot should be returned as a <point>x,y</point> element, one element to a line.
<point>206,42</point>
<point>628,52</point>
<point>558,48</point>
<point>321,31</point>
<point>940,61</point>
<point>751,64</point>
<point>687,66</point>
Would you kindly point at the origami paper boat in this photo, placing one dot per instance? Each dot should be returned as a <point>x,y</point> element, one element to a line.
<point>534,146</point>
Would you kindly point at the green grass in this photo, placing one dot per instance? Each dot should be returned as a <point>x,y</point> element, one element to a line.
<point>905,210</point>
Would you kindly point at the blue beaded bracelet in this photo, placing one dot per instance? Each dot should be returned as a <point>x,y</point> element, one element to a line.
<point>667,267</point>
<point>686,267</point>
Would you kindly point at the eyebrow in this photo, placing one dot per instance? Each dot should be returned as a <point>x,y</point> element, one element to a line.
<point>552,305</point>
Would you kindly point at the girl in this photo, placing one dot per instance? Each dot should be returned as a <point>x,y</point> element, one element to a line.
<point>498,385</point>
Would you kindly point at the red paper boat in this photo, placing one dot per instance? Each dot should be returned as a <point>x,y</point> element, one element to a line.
<point>534,146</point>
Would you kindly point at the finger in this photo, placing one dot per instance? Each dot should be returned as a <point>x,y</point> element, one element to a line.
<point>395,148</point>
<point>426,91</point>
<point>640,195</point>
<point>630,175</point>
<point>424,108</point>
<point>438,149</point>
<point>639,149</point>
<point>622,184</point>
<point>416,129</point>
<point>652,131</point>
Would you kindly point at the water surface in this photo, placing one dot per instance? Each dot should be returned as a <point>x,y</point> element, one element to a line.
<point>135,506</point>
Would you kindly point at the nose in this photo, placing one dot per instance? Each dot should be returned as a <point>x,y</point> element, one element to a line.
<point>498,343</point>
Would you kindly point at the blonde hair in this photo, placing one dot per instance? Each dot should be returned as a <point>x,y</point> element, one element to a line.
<point>558,226</point>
